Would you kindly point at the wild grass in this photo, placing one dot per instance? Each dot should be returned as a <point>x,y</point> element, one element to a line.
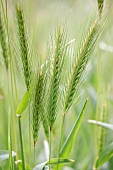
<point>50,90</point>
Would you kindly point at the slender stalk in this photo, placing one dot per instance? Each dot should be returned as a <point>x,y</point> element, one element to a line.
<point>9,129</point>
<point>50,147</point>
<point>98,99</point>
<point>21,142</point>
<point>29,135</point>
<point>10,143</point>
<point>61,138</point>
<point>34,156</point>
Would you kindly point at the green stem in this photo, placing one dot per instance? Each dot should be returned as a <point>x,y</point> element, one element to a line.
<point>21,142</point>
<point>10,143</point>
<point>61,138</point>
<point>98,100</point>
<point>50,147</point>
<point>34,156</point>
<point>29,136</point>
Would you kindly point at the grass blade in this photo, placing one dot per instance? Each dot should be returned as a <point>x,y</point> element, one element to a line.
<point>67,147</point>
<point>66,150</point>
<point>102,124</point>
<point>23,104</point>
<point>105,155</point>
<point>53,161</point>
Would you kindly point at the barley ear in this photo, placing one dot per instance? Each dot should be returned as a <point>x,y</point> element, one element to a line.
<point>38,109</point>
<point>82,57</point>
<point>44,118</point>
<point>56,77</point>
<point>23,44</point>
<point>3,41</point>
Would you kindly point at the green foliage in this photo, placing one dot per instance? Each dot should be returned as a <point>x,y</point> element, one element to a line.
<point>68,145</point>
<point>24,103</point>
<point>105,155</point>
<point>66,150</point>
<point>53,161</point>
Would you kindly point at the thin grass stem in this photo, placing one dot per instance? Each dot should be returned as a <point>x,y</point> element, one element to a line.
<point>98,99</point>
<point>10,143</point>
<point>29,135</point>
<point>50,147</point>
<point>61,138</point>
<point>34,155</point>
<point>21,142</point>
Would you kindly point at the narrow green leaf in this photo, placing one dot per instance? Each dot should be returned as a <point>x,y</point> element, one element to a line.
<point>105,155</point>
<point>102,124</point>
<point>53,161</point>
<point>23,104</point>
<point>4,154</point>
<point>66,150</point>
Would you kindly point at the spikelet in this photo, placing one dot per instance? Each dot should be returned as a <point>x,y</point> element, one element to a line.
<point>100,6</point>
<point>38,107</point>
<point>45,124</point>
<point>57,69</point>
<point>3,42</point>
<point>44,118</point>
<point>83,55</point>
<point>23,45</point>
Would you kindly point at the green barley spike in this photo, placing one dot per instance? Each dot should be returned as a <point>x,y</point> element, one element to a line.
<point>83,56</point>
<point>36,105</point>
<point>42,103</point>
<point>58,64</point>
<point>38,112</point>
<point>3,42</point>
<point>100,6</point>
<point>23,45</point>
<point>45,124</point>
